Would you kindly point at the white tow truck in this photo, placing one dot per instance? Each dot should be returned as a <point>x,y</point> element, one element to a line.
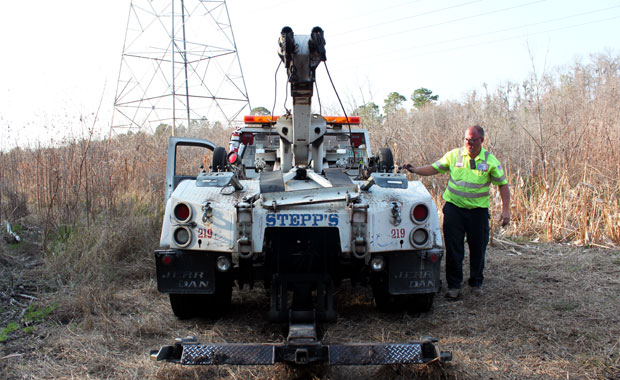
<point>299,203</point>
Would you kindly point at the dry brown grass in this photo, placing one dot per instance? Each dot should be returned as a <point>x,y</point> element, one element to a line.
<point>76,183</point>
<point>548,312</point>
<point>557,136</point>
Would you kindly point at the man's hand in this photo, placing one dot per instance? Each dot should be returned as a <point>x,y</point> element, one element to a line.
<point>504,192</point>
<point>408,167</point>
<point>421,170</point>
<point>505,218</point>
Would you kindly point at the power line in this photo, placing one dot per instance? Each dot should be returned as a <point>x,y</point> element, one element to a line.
<point>266,8</point>
<point>381,9</point>
<point>348,43</point>
<point>410,17</point>
<point>392,59</point>
<point>507,29</point>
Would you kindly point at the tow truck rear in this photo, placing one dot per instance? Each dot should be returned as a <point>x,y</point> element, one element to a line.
<point>299,203</point>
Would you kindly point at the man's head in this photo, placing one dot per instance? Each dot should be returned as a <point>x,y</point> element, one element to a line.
<point>474,136</point>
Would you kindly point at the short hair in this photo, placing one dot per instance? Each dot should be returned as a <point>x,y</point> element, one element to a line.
<point>478,129</point>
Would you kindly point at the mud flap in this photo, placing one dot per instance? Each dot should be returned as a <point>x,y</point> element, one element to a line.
<point>184,272</point>
<point>414,273</point>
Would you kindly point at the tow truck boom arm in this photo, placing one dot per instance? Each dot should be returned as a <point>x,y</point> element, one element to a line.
<point>301,133</point>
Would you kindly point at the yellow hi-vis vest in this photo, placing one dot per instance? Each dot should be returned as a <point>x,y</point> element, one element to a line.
<point>467,187</point>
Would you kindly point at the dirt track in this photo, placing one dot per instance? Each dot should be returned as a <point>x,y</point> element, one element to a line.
<point>548,312</point>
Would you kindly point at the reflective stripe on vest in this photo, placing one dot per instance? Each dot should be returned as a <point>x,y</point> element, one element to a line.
<point>469,184</point>
<point>440,166</point>
<point>467,195</point>
<point>498,179</point>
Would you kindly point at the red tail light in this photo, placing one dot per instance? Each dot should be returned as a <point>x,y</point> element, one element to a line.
<point>182,212</point>
<point>357,139</point>
<point>247,138</point>
<point>166,260</point>
<point>419,213</point>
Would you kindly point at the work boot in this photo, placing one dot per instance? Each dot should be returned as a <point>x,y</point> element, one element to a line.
<point>476,290</point>
<point>453,293</point>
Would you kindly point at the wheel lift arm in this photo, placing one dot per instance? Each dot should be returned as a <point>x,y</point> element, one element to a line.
<point>189,351</point>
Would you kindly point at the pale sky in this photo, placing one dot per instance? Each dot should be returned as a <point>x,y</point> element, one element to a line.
<point>61,58</point>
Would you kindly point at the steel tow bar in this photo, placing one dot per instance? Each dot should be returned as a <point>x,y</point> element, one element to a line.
<point>188,351</point>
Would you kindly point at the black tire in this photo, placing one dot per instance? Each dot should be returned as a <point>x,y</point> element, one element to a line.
<point>386,160</point>
<point>384,301</point>
<point>184,305</point>
<point>420,303</point>
<point>217,304</point>
<point>219,159</point>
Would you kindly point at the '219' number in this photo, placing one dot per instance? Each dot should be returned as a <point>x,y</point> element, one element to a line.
<point>398,233</point>
<point>205,233</point>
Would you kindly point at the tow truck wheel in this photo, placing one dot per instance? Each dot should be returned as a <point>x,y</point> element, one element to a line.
<point>386,302</point>
<point>386,160</point>
<point>420,303</point>
<point>215,305</point>
<point>184,305</point>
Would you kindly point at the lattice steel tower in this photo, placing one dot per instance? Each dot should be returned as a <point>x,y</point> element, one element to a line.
<point>179,65</point>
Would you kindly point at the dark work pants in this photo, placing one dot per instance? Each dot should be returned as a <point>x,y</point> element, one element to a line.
<point>457,223</point>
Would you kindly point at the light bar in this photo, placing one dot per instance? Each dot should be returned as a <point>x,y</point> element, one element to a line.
<point>260,119</point>
<point>342,119</point>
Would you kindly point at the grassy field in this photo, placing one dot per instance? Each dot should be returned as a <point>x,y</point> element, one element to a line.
<point>549,311</point>
<point>78,298</point>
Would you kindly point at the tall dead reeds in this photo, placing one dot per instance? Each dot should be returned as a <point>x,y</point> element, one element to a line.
<point>558,137</point>
<point>100,203</point>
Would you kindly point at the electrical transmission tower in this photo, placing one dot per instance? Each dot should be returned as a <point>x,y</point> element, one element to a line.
<point>179,65</point>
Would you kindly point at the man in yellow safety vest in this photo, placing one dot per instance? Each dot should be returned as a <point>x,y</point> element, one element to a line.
<point>472,170</point>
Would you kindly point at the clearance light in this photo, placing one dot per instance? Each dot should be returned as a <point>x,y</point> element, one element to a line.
<point>419,213</point>
<point>182,212</point>
<point>232,157</point>
<point>182,236</point>
<point>418,237</point>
